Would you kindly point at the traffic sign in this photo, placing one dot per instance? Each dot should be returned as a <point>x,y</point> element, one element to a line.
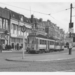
<point>23,28</point>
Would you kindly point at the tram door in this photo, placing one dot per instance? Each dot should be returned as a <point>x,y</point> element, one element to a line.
<point>47,45</point>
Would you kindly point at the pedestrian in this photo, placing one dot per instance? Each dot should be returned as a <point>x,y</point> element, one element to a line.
<point>70,48</point>
<point>67,45</point>
<point>0,48</point>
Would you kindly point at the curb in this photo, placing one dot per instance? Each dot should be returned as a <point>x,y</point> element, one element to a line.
<point>20,60</point>
<point>44,60</point>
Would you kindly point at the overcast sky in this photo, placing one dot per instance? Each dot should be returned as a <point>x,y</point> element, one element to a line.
<point>61,17</point>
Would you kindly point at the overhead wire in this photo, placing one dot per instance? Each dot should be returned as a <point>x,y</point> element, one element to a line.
<point>37,11</point>
<point>24,8</point>
<point>33,10</point>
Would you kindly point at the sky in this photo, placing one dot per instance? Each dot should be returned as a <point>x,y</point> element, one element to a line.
<point>59,15</point>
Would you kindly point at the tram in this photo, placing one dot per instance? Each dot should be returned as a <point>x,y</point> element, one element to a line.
<point>40,44</point>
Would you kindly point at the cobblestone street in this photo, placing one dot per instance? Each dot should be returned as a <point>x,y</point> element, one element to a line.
<point>67,65</point>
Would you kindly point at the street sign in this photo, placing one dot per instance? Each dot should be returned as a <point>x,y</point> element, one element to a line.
<point>23,28</point>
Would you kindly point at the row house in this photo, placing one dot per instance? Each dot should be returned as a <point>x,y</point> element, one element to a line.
<point>4,25</point>
<point>12,22</point>
<point>41,29</point>
<point>49,29</point>
<point>62,34</point>
<point>16,22</point>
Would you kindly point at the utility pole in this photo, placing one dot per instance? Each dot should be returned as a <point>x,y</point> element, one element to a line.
<point>71,13</point>
<point>70,30</point>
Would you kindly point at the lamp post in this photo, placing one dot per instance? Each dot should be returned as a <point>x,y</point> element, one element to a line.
<point>23,29</point>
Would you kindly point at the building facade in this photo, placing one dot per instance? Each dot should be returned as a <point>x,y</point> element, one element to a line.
<point>49,29</point>
<point>12,22</point>
<point>16,22</point>
<point>4,25</point>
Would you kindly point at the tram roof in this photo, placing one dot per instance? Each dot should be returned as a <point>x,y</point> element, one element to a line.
<point>42,36</point>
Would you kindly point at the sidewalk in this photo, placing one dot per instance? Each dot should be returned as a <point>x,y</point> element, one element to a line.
<point>12,50</point>
<point>54,57</point>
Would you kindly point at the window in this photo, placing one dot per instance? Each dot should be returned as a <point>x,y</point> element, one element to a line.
<point>19,30</point>
<point>0,22</point>
<point>51,42</point>
<point>57,43</point>
<point>6,24</point>
<point>14,27</point>
<point>62,43</point>
<point>42,41</point>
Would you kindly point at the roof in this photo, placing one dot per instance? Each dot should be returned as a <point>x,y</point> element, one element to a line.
<point>14,14</point>
<point>4,13</point>
<point>18,16</point>
<point>25,19</point>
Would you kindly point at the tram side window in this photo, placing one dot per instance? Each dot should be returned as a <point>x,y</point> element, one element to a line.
<point>42,41</point>
<point>57,43</point>
<point>51,42</point>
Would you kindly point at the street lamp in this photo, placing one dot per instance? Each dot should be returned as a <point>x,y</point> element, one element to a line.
<point>23,29</point>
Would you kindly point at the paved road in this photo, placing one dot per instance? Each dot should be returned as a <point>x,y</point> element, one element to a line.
<point>45,66</point>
